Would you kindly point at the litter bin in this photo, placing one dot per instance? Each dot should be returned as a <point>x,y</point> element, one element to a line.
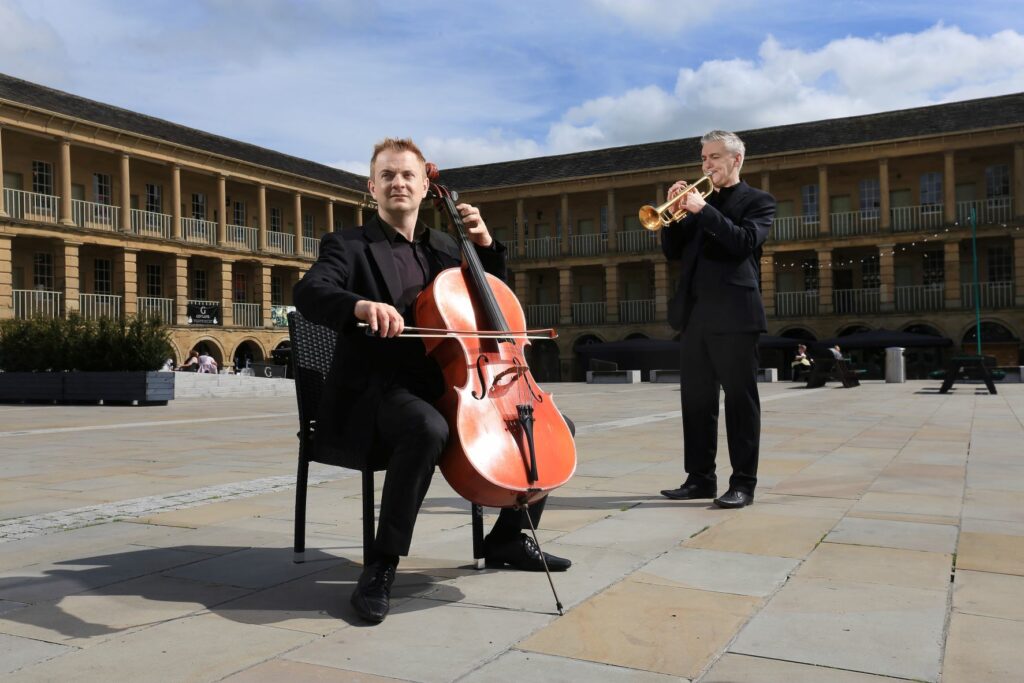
<point>895,365</point>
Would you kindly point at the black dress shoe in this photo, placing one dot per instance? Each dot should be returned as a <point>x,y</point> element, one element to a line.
<point>690,492</point>
<point>372,596</point>
<point>521,553</point>
<point>734,499</point>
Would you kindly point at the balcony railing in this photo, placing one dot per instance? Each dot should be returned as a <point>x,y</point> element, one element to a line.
<point>589,245</point>
<point>151,306</point>
<point>990,294</point>
<point>94,216</point>
<point>281,242</point>
<point>988,211</point>
<point>636,311</point>
<point>542,315</point>
<point>795,228</point>
<point>311,246</point>
<point>241,236</point>
<point>32,303</point>
<point>592,313</point>
<point>796,304</point>
<point>94,306</point>
<point>247,315</point>
<point>920,297</point>
<point>911,218</point>
<point>855,300</point>
<point>151,223</point>
<point>31,206</point>
<point>543,247</point>
<point>850,223</point>
<point>638,240</point>
<point>198,230</point>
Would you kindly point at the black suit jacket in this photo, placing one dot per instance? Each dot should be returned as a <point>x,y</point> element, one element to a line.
<point>357,264</point>
<point>720,251</point>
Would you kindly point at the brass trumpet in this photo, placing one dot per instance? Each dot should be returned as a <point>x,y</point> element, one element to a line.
<point>655,218</point>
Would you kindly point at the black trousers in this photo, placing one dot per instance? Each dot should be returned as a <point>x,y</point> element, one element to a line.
<point>710,363</point>
<point>414,433</point>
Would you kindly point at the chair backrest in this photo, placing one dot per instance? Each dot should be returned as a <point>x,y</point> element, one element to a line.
<point>312,355</point>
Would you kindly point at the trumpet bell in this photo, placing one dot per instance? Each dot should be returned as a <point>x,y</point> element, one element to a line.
<point>650,218</point>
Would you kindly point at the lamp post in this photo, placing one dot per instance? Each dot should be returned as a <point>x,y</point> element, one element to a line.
<point>977,287</point>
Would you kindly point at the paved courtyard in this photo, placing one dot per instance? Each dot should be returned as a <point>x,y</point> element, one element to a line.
<point>886,543</point>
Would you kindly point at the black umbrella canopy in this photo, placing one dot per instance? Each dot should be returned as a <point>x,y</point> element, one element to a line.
<point>770,341</point>
<point>883,339</point>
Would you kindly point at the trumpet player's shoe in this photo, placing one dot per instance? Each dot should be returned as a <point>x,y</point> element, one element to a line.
<point>521,553</point>
<point>690,492</point>
<point>734,499</point>
<point>372,595</point>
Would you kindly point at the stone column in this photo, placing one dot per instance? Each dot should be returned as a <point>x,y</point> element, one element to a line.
<point>329,216</point>
<point>72,278</point>
<point>884,208</point>
<point>176,201</point>
<point>887,278</point>
<point>565,296</point>
<point>1018,180</point>
<point>180,289</point>
<point>1018,271</point>
<point>520,229</point>
<point>297,204</point>
<point>129,264</point>
<point>126,196</point>
<point>222,210</point>
<point>226,294</point>
<point>951,270</point>
<point>6,277</point>
<point>3,207</point>
<point>261,235</point>
<point>359,215</point>
<point>949,187</point>
<point>566,231</point>
<point>661,290</point>
<point>824,281</point>
<point>824,224</point>
<point>65,183</point>
<point>613,224</point>
<point>611,293</point>
<point>768,284</point>
<point>265,272</point>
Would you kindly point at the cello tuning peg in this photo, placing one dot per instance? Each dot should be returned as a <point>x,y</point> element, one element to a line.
<point>432,171</point>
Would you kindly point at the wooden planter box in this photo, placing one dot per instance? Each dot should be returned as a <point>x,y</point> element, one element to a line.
<point>143,388</point>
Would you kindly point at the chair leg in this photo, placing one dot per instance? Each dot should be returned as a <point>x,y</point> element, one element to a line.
<point>478,536</point>
<point>368,515</point>
<point>301,480</point>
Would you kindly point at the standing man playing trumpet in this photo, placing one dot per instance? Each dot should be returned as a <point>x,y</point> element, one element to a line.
<point>717,307</point>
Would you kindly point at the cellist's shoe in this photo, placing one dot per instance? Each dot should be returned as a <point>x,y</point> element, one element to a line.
<point>372,595</point>
<point>521,553</point>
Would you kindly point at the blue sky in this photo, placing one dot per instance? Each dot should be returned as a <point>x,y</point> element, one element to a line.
<point>482,81</point>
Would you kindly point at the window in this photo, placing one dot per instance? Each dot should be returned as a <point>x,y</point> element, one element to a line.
<point>931,190</point>
<point>934,267</point>
<point>870,198</point>
<point>810,275</point>
<point>307,225</point>
<point>869,275</point>
<point>585,226</point>
<point>102,188</point>
<point>809,203</point>
<point>339,224</point>
<point>275,219</point>
<point>276,291</point>
<point>154,280</point>
<point>102,280</point>
<point>199,289</point>
<point>42,177</point>
<point>42,271</point>
<point>154,198</point>
<point>199,206</point>
<point>997,181</point>
<point>239,288</point>
<point>239,213</point>
<point>1000,264</point>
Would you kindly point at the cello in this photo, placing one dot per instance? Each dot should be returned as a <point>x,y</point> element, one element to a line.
<point>509,445</point>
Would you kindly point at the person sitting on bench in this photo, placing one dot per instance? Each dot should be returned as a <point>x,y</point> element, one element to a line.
<point>801,363</point>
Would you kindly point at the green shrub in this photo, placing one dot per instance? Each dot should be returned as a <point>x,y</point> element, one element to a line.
<point>74,343</point>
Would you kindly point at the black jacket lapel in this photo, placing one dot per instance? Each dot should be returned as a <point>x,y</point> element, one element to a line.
<point>380,250</point>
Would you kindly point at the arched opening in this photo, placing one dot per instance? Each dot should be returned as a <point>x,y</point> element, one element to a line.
<point>542,357</point>
<point>637,335</point>
<point>247,353</point>
<point>282,355</point>
<point>996,340</point>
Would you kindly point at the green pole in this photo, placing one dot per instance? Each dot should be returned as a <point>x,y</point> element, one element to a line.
<point>977,288</point>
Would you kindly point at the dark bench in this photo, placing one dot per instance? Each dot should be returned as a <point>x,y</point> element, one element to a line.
<point>970,367</point>
<point>826,368</point>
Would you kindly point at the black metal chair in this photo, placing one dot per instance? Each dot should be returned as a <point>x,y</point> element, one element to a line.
<point>312,352</point>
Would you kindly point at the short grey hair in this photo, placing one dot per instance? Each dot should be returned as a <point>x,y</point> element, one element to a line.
<point>732,141</point>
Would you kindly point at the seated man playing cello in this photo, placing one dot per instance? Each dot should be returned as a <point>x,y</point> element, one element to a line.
<point>378,406</point>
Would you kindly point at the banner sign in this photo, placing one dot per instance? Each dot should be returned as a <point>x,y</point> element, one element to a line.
<point>204,314</point>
